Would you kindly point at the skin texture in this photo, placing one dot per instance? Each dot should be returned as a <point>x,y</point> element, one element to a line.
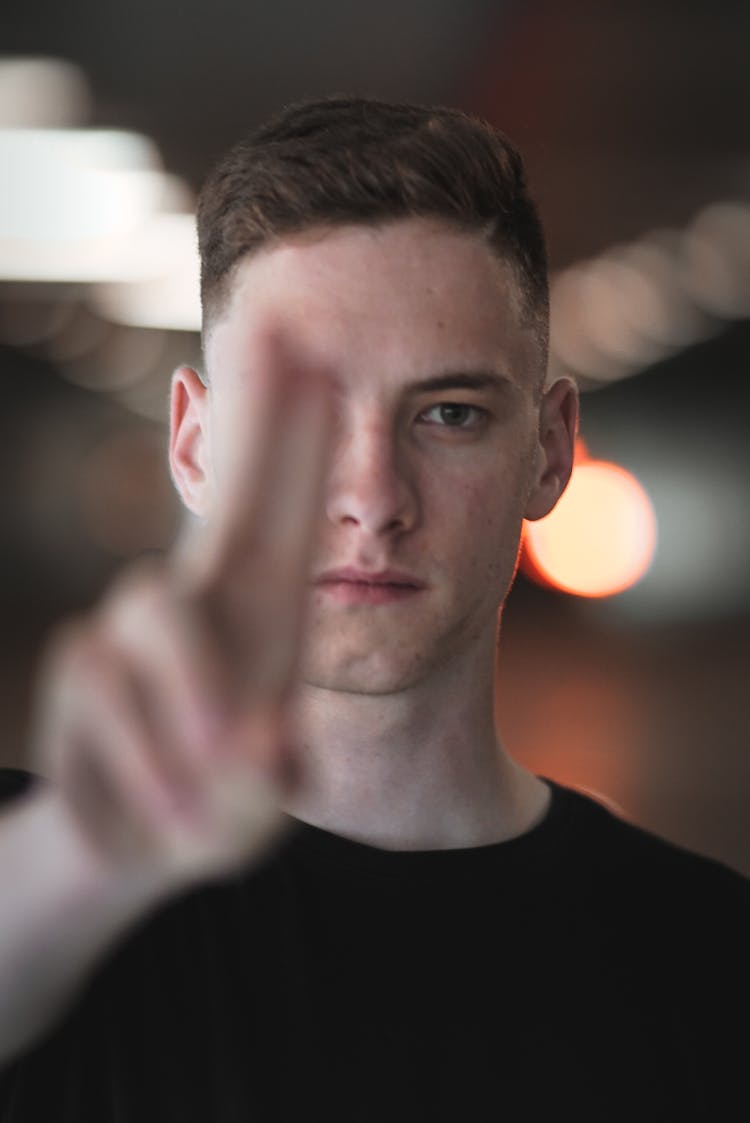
<point>394,709</point>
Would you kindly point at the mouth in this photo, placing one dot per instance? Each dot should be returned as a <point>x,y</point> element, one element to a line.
<point>351,586</point>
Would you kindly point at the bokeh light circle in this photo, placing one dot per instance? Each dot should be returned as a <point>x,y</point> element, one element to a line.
<point>601,537</point>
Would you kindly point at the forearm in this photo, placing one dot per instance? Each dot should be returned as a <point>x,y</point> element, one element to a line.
<point>61,907</point>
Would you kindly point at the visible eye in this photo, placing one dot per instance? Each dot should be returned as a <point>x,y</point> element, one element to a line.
<point>457,415</point>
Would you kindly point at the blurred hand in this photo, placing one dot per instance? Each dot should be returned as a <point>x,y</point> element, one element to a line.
<point>164,718</point>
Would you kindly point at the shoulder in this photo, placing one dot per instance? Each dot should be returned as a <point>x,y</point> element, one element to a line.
<point>617,855</point>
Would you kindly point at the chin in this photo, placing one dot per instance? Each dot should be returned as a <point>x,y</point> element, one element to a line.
<point>372,674</point>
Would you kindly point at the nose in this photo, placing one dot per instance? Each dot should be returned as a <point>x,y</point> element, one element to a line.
<point>368,482</point>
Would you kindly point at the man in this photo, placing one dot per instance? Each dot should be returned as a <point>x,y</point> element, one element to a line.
<point>281,865</point>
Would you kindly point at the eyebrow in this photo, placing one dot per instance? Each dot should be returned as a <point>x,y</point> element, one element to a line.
<point>461,380</point>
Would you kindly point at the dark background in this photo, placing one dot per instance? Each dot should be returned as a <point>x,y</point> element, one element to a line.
<point>632,116</point>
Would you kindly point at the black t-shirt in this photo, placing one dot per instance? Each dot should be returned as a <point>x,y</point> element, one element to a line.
<point>584,970</point>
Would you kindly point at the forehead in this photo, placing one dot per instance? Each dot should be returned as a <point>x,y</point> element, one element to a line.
<point>406,298</point>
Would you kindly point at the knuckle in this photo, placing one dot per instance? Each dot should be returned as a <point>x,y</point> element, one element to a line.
<point>141,583</point>
<point>138,611</point>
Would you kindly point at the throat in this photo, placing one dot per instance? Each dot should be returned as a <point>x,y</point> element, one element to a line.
<point>425,814</point>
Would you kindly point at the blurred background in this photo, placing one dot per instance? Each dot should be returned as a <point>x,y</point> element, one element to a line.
<point>626,671</point>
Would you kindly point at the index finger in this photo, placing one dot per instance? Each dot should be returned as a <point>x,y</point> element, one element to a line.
<point>270,442</point>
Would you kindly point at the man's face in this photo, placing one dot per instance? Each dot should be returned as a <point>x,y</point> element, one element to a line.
<point>433,482</point>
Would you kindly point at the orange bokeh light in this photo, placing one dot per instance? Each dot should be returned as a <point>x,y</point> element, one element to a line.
<point>601,537</point>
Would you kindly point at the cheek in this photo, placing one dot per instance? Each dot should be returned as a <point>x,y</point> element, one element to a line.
<point>487,518</point>
<point>489,505</point>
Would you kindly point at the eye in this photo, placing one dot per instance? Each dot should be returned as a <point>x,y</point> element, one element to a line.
<point>456,415</point>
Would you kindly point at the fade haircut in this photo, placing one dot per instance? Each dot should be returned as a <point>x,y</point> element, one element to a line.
<point>340,160</point>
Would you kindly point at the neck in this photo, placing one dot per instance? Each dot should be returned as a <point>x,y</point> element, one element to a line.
<point>420,769</point>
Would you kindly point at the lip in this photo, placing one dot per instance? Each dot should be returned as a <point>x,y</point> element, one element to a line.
<point>358,586</point>
<point>390,578</point>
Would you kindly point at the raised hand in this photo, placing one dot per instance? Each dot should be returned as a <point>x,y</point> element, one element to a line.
<point>164,718</point>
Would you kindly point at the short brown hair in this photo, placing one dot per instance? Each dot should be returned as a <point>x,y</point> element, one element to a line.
<point>340,160</point>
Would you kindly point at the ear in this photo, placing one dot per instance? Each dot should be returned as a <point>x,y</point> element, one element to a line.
<point>558,424</point>
<point>189,459</point>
